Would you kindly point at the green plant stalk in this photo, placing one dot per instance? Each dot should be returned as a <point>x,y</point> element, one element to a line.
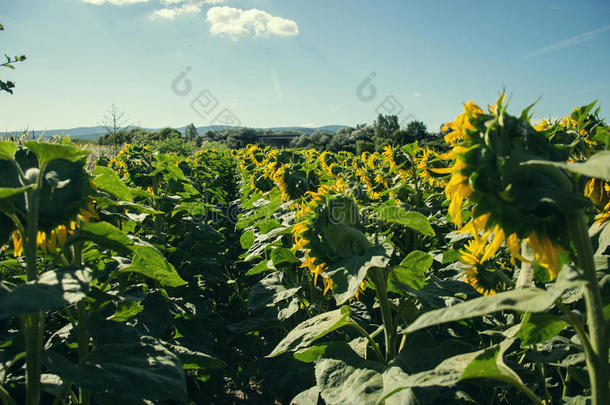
<point>83,344</point>
<point>33,323</point>
<point>597,361</point>
<point>370,339</point>
<point>82,331</point>
<point>380,283</point>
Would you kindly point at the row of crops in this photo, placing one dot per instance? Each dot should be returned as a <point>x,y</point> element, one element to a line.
<point>475,274</point>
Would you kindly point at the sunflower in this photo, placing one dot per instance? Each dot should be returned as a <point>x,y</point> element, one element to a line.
<point>598,191</point>
<point>510,199</point>
<point>481,271</point>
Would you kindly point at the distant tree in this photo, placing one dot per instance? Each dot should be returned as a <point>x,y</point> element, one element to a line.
<point>415,131</point>
<point>8,85</point>
<point>384,127</point>
<point>114,121</point>
<point>190,132</point>
<point>341,141</point>
<point>362,132</point>
<point>166,133</point>
<point>239,138</point>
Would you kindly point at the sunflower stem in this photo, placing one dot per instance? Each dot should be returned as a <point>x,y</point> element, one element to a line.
<point>380,284</point>
<point>597,360</point>
<point>34,322</point>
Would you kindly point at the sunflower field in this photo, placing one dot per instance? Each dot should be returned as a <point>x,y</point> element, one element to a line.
<point>471,273</point>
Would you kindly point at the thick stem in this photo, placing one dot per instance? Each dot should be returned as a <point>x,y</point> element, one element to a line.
<point>598,364</point>
<point>82,330</point>
<point>83,344</point>
<point>33,323</point>
<point>379,281</point>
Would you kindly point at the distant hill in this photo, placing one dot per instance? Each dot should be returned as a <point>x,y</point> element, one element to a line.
<point>93,133</point>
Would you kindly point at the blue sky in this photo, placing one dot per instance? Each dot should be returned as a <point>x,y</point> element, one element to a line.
<point>266,63</point>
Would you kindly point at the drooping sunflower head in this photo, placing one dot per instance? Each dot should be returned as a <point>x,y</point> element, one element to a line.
<point>335,230</point>
<point>489,170</point>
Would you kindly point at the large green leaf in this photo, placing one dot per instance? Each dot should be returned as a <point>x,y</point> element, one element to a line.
<point>52,290</point>
<point>597,166</point>
<point>487,363</point>
<point>348,273</point>
<point>538,328</point>
<point>410,272</point>
<point>105,235</point>
<point>307,397</point>
<point>343,377</point>
<point>282,255</point>
<point>47,152</point>
<point>149,262</point>
<point>269,291</point>
<point>106,179</point>
<point>7,150</point>
<point>312,329</point>
<point>411,219</point>
<point>523,300</point>
<point>139,370</point>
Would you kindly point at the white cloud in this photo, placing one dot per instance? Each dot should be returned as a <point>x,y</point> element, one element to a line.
<point>416,94</point>
<point>197,2</point>
<point>191,7</point>
<point>115,2</point>
<point>236,23</point>
<point>173,13</point>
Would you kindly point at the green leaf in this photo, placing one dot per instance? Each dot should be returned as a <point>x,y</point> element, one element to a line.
<point>410,272</point>
<point>523,300</point>
<point>149,262</point>
<point>343,377</point>
<point>7,150</point>
<point>487,363</point>
<point>126,310</point>
<point>348,273</point>
<point>247,239</point>
<point>282,255</point>
<point>411,219</point>
<point>269,291</point>
<point>106,179</point>
<point>267,225</point>
<point>195,208</point>
<point>47,152</point>
<point>312,329</point>
<point>192,359</point>
<point>538,328</point>
<point>597,166</point>
<point>307,397</point>
<point>52,290</point>
<point>6,192</point>
<point>104,234</point>
<point>312,353</point>
<point>261,267</point>
<point>140,370</point>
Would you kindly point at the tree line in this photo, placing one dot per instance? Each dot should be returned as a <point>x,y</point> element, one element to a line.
<point>385,130</point>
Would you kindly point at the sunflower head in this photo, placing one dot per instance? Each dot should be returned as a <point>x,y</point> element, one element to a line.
<point>489,152</point>
<point>481,270</point>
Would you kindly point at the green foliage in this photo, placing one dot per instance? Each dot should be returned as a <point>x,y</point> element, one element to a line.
<point>8,85</point>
